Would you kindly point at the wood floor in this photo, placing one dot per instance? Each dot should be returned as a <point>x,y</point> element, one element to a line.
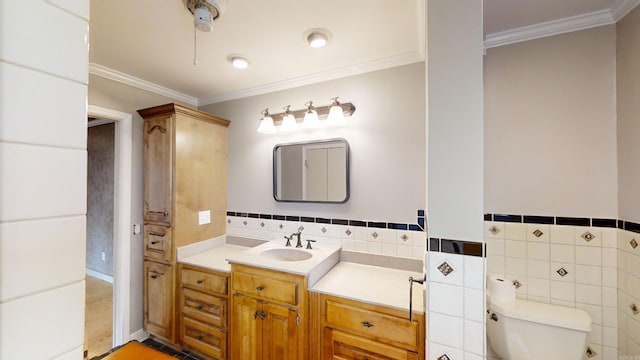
<point>98,316</point>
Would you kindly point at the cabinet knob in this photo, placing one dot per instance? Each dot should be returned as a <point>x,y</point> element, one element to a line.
<point>367,324</point>
<point>154,242</point>
<point>199,337</point>
<point>200,281</point>
<point>260,288</point>
<point>154,276</point>
<point>199,308</point>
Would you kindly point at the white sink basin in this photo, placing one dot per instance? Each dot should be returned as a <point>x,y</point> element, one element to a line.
<point>274,255</point>
<point>286,254</point>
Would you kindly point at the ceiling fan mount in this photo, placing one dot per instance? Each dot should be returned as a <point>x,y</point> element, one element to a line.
<point>205,11</point>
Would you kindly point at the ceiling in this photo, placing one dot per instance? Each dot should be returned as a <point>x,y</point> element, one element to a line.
<point>150,44</point>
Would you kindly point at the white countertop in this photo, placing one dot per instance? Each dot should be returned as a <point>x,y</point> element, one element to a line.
<point>323,257</point>
<point>372,284</point>
<point>216,258</point>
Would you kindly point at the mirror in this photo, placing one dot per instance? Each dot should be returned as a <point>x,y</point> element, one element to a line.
<point>314,171</point>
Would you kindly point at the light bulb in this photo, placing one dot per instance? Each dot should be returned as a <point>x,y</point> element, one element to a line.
<point>336,115</point>
<point>266,125</point>
<point>239,62</point>
<point>311,119</point>
<point>317,40</point>
<point>288,123</point>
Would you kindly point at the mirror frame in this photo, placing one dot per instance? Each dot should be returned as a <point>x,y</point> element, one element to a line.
<point>347,163</point>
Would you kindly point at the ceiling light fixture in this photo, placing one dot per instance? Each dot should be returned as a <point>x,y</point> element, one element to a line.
<point>317,40</point>
<point>238,62</point>
<point>309,117</point>
<point>205,11</point>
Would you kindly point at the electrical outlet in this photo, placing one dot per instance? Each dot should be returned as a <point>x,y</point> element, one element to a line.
<point>104,256</point>
<point>204,217</point>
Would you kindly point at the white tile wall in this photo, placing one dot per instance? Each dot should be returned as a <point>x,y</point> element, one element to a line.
<point>399,243</point>
<point>456,305</point>
<point>591,281</point>
<point>628,261</point>
<point>44,67</point>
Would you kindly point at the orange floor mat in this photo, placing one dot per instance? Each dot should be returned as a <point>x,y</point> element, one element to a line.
<point>137,351</point>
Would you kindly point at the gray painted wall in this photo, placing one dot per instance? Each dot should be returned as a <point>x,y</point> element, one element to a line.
<point>100,175</point>
<point>386,136</point>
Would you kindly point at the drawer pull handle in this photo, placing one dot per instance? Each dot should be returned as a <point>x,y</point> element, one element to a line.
<point>200,281</point>
<point>367,324</point>
<point>199,337</point>
<point>154,242</point>
<point>199,308</point>
<point>164,213</point>
<point>255,314</point>
<point>260,288</point>
<point>154,276</point>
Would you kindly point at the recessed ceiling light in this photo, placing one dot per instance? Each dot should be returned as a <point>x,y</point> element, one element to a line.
<point>317,38</point>
<point>238,62</point>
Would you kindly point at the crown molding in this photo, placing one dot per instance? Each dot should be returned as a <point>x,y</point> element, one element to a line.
<point>549,28</point>
<point>115,75</point>
<point>622,7</point>
<point>561,26</point>
<point>357,69</point>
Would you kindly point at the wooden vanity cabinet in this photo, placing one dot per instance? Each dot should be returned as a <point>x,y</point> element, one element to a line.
<point>353,330</point>
<point>269,316</point>
<point>203,308</point>
<point>185,155</point>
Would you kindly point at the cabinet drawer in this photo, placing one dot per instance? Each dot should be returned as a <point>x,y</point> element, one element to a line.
<point>349,347</point>
<point>157,243</point>
<point>205,308</point>
<point>203,338</point>
<point>203,281</point>
<point>262,287</point>
<point>375,325</point>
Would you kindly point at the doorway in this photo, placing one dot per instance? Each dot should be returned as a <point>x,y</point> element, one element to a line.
<point>122,225</point>
<point>99,229</point>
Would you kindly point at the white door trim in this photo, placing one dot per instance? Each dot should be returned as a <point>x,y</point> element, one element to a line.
<point>122,220</point>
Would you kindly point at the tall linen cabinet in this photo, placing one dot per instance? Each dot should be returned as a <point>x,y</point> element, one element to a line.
<point>185,200</point>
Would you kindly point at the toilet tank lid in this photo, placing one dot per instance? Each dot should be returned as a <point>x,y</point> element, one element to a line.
<point>549,314</point>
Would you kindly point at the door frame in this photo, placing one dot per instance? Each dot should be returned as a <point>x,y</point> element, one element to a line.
<point>122,219</point>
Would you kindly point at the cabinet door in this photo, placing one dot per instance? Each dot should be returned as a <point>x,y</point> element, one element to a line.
<point>158,299</point>
<point>158,158</point>
<point>246,329</point>
<point>339,345</point>
<point>280,333</point>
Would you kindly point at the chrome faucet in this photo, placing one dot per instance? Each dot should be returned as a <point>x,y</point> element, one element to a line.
<point>290,237</point>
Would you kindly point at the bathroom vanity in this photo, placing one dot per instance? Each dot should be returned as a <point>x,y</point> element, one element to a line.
<point>273,302</point>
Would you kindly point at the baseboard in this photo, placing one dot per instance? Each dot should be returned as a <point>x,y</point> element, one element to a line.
<point>139,335</point>
<point>100,275</point>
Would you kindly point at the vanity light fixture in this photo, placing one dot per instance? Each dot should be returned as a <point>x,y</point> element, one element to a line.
<point>310,117</point>
<point>288,120</point>
<point>336,114</point>
<point>266,123</point>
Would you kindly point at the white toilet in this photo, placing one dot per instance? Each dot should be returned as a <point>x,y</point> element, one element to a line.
<point>523,330</point>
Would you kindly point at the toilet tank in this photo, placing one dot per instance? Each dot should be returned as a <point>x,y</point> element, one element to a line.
<point>523,330</point>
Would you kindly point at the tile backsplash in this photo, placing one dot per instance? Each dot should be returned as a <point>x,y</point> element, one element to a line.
<point>582,263</point>
<point>406,240</point>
